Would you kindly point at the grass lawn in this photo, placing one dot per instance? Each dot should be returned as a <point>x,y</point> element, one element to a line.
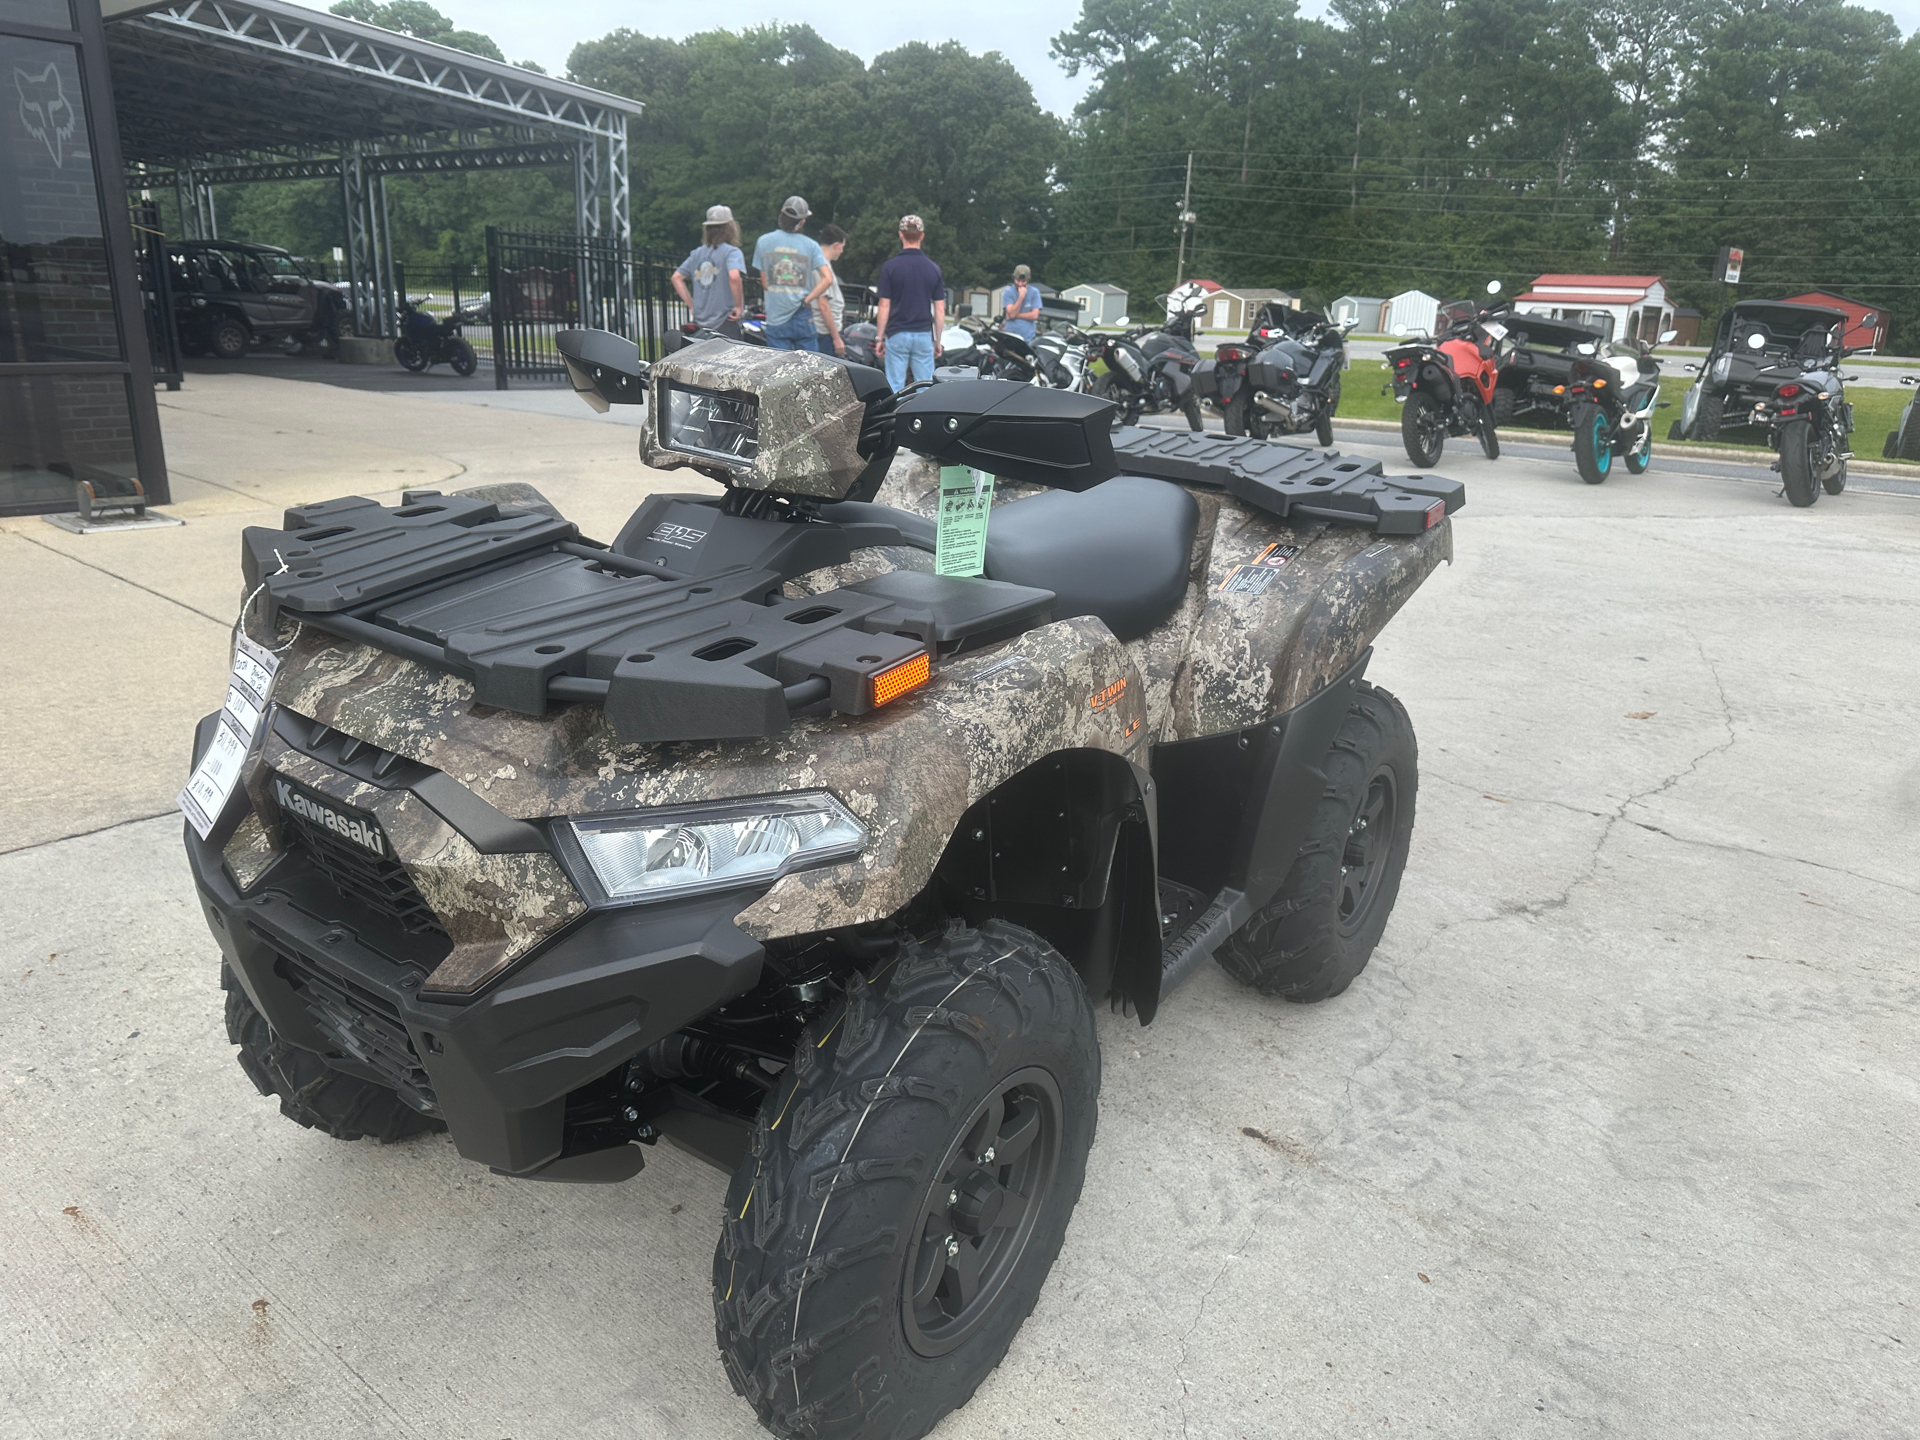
<point>1875,412</point>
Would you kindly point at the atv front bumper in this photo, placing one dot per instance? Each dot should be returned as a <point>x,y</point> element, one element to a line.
<point>497,1068</point>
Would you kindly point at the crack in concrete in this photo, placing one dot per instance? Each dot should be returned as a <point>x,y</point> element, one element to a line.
<point>1200,1313</point>
<point>82,834</point>
<point>88,564</point>
<point>1733,849</point>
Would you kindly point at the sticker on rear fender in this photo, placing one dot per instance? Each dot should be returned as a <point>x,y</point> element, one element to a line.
<point>1257,574</point>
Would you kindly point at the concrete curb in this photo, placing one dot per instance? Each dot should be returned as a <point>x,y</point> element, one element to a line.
<point>1553,439</point>
<point>365,350</point>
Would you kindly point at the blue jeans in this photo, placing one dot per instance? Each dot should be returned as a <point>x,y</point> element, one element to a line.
<point>793,333</point>
<point>909,357</point>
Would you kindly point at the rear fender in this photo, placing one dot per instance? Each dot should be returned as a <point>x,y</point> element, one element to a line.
<point>1263,644</point>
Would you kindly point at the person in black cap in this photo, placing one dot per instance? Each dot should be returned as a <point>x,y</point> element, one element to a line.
<point>793,274</point>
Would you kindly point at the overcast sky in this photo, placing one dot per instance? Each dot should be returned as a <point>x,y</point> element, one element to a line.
<point>1018,29</point>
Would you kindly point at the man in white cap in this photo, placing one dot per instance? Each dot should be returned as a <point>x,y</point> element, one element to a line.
<point>717,270</point>
<point>793,274</point>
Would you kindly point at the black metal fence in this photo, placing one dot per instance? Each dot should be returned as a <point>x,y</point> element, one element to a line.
<point>541,283</point>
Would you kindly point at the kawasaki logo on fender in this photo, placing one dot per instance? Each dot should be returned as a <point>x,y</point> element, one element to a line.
<point>360,832</point>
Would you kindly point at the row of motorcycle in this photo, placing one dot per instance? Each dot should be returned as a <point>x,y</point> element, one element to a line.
<point>1284,379</point>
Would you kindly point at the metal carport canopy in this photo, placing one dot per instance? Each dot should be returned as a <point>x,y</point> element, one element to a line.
<point>232,90</point>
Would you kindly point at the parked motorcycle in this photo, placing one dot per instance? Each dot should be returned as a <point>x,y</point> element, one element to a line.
<point>1446,385</point>
<point>1145,372</point>
<point>426,341</point>
<point>1808,418</point>
<point>1752,337</point>
<point>1284,379</point>
<point>1904,443</point>
<point>1610,403</point>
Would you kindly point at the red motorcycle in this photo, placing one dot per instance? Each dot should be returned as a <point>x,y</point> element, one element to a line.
<point>1446,385</point>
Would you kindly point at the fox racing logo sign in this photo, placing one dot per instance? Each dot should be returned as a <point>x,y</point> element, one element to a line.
<point>45,110</point>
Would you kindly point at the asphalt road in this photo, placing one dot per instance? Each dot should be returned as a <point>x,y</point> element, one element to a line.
<point>1615,1137</point>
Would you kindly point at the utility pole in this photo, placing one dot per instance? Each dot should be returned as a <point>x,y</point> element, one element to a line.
<point>1186,221</point>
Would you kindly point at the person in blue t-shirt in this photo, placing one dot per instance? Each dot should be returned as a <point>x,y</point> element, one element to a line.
<point>1020,305</point>
<point>913,308</point>
<point>793,274</point>
<point>711,280</point>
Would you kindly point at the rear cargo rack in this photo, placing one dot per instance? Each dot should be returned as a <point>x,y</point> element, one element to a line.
<point>1291,482</point>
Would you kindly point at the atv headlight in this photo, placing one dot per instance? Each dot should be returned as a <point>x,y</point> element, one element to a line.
<point>725,425</point>
<point>685,849</point>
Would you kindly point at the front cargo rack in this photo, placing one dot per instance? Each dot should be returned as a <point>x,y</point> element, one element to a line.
<point>682,633</point>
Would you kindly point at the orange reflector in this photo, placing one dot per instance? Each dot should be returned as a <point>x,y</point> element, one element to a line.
<point>896,680</point>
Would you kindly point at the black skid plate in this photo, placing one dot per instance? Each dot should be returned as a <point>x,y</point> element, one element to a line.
<point>1290,481</point>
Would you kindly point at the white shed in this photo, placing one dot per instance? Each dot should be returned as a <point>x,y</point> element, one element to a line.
<point>1414,309</point>
<point>1099,304</point>
<point>1367,312</point>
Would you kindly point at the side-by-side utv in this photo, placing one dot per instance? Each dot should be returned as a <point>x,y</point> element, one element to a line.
<point>750,832</point>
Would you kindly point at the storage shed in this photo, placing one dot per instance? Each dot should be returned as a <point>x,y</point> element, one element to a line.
<point>1368,313</point>
<point>1234,309</point>
<point>1415,309</point>
<point>1099,304</point>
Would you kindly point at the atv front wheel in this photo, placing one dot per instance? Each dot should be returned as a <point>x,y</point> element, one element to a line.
<point>1706,420</point>
<point>312,1093</point>
<point>1319,930</point>
<point>1592,443</point>
<point>908,1187</point>
<point>1796,463</point>
<point>1423,429</point>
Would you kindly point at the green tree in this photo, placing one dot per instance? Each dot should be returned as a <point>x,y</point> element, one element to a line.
<point>420,20</point>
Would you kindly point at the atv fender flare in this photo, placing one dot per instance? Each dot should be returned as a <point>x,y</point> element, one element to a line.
<point>1067,848</point>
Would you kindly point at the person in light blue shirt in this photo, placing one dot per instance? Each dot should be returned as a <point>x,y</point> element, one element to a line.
<point>710,279</point>
<point>1020,305</point>
<point>793,274</point>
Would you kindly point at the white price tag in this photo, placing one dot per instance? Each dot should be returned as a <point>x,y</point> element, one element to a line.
<point>249,685</point>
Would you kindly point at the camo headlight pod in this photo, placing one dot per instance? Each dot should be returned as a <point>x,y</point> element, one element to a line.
<point>688,849</point>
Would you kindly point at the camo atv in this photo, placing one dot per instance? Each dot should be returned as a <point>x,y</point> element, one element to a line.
<point>749,832</point>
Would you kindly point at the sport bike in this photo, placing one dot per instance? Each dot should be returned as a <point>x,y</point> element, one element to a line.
<point>1611,397</point>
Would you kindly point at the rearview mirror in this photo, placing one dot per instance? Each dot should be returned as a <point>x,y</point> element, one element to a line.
<point>605,368</point>
<point>1123,321</point>
<point>1493,287</point>
<point>1401,332</point>
<point>1667,337</point>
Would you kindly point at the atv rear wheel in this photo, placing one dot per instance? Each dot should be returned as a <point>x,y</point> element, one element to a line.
<point>1796,463</point>
<point>1592,443</point>
<point>908,1187</point>
<point>312,1093</point>
<point>1423,429</point>
<point>1317,933</point>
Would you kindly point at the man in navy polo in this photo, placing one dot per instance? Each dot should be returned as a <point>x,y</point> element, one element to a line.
<point>913,308</point>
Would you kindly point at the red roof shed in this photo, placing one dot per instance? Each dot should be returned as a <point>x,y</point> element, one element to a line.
<point>1866,324</point>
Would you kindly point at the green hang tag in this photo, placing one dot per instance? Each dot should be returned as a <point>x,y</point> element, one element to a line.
<point>960,530</point>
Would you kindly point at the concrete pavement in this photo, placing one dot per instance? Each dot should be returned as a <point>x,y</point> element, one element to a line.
<point>1614,1137</point>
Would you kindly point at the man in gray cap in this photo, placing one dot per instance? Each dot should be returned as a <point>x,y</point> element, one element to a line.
<point>1020,305</point>
<point>793,274</point>
<point>712,279</point>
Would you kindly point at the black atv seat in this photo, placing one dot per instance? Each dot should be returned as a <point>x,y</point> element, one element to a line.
<point>1119,552</point>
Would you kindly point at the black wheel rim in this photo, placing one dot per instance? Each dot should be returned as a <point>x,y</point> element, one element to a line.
<point>1364,861</point>
<point>1431,427</point>
<point>978,1215</point>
